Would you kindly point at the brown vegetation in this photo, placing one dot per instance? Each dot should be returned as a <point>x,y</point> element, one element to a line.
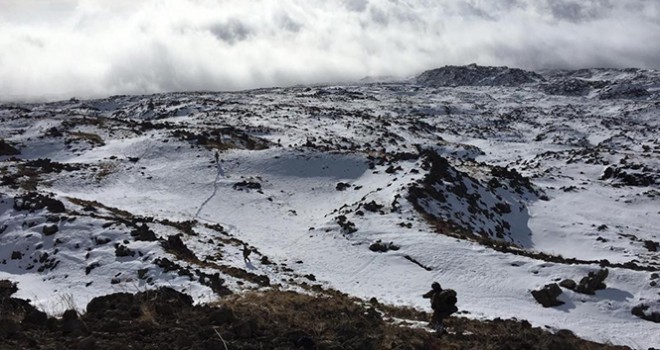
<point>166,319</point>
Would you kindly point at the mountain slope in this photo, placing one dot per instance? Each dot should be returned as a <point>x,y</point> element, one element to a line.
<point>373,189</point>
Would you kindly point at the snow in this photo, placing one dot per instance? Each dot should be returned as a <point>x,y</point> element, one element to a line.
<point>292,216</point>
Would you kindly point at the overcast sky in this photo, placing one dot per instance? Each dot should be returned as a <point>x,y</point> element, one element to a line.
<point>90,48</point>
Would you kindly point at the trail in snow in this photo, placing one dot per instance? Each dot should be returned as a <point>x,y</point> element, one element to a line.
<point>219,174</point>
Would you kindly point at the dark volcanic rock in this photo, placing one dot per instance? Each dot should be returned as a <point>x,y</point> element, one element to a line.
<point>246,185</point>
<point>122,250</point>
<point>592,282</point>
<point>474,75</point>
<point>547,296</point>
<point>50,230</point>
<point>7,289</point>
<point>7,149</point>
<point>35,201</point>
<point>175,245</point>
<point>631,175</point>
<point>568,284</point>
<point>383,247</point>
<point>643,311</point>
<point>143,233</point>
<point>15,312</point>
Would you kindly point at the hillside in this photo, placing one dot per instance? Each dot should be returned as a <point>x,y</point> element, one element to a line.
<point>494,182</point>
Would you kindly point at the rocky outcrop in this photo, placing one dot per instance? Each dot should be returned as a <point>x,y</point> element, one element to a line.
<point>568,284</point>
<point>382,247</point>
<point>34,201</point>
<point>16,313</point>
<point>491,209</point>
<point>474,75</point>
<point>592,282</point>
<point>646,312</point>
<point>6,149</point>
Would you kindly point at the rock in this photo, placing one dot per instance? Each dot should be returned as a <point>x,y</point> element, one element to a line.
<point>652,246</point>
<point>34,201</point>
<point>175,245</point>
<point>341,186</point>
<point>121,251</point>
<point>7,149</point>
<point>547,296</point>
<point>382,247</point>
<point>7,289</point>
<point>50,230</point>
<point>643,311</point>
<point>372,206</point>
<point>246,185</point>
<point>592,282</point>
<point>568,284</point>
<point>143,233</point>
<point>214,282</point>
<point>33,317</point>
<point>474,75</point>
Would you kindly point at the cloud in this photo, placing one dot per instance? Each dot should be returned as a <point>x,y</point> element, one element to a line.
<point>90,48</point>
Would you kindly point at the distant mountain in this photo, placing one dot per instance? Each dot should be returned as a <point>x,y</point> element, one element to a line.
<point>475,75</point>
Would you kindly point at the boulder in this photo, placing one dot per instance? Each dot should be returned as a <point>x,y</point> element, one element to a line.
<point>592,282</point>
<point>474,75</point>
<point>547,296</point>
<point>568,284</point>
<point>7,149</point>
<point>645,312</point>
<point>143,233</point>
<point>382,247</point>
<point>175,245</point>
<point>7,289</point>
<point>50,230</point>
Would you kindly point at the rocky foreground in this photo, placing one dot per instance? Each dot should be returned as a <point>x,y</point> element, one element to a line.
<point>167,319</point>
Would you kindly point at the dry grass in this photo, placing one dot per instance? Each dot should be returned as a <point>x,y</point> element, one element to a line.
<point>334,320</point>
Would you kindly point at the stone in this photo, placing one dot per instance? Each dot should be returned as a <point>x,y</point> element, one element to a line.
<point>592,282</point>
<point>50,230</point>
<point>568,284</point>
<point>547,296</point>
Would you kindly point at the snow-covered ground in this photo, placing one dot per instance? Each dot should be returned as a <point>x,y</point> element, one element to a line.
<point>312,176</point>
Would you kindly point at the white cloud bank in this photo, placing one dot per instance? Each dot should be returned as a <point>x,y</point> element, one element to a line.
<point>86,48</point>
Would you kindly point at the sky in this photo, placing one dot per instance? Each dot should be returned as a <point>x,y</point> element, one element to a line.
<point>53,49</point>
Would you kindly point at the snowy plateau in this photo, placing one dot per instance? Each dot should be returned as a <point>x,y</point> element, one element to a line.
<point>493,181</point>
